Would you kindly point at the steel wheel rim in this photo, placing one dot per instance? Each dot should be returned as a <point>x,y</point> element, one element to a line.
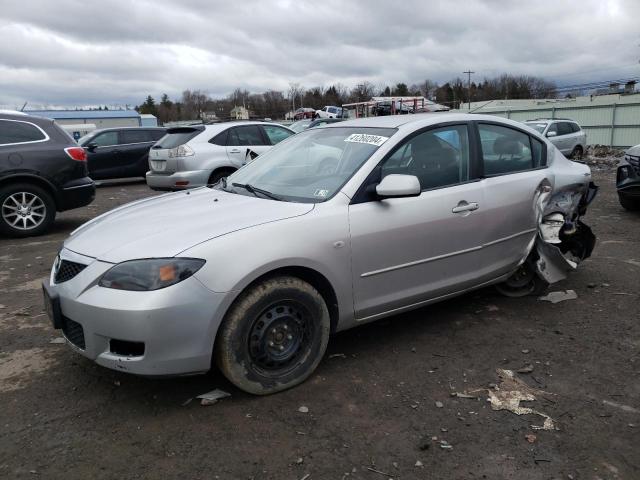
<point>279,338</point>
<point>24,211</point>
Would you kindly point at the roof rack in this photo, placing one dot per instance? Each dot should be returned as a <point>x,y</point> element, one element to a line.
<point>543,118</point>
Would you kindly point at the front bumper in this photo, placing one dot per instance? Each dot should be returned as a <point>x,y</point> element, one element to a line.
<point>177,180</point>
<point>176,325</point>
<point>628,181</point>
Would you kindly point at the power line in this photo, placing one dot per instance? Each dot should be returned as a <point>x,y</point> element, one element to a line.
<point>469,72</point>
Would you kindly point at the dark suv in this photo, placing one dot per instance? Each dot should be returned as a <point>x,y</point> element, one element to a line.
<point>120,152</point>
<point>42,170</point>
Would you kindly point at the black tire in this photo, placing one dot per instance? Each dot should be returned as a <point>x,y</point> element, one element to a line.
<point>577,153</point>
<point>628,203</point>
<point>219,174</point>
<point>37,218</point>
<point>273,336</point>
<point>523,282</point>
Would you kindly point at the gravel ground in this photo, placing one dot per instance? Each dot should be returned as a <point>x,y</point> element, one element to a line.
<point>379,405</point>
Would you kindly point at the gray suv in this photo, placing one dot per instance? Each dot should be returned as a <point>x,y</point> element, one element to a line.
<point>565,134</point>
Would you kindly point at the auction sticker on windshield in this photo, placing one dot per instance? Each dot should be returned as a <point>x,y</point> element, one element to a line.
<point>376,140</point>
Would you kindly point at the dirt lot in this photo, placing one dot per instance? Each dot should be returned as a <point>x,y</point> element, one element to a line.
<point>378,406</point>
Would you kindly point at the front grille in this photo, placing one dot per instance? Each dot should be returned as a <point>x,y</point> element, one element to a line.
<point>74,332</point>
<point>67,270</point>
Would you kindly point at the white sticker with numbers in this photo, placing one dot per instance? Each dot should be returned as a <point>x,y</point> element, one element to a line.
<point>376,140</point>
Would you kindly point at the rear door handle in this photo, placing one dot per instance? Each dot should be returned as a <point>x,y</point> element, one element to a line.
<point>464,206</point>
<point>234,150</point>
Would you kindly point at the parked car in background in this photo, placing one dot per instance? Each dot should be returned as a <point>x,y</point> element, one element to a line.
<point>565,134</point>
<point>198,155</point>
<point>335,227</point>
<point>332,112</point>
<point>381,109</point>
<point>42,171</point>
<point>300,125</point>
<point>302,113</point>
<point>120,152</point>
<point>628,179</point>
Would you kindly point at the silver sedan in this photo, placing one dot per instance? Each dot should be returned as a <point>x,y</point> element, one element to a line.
<point>332,228</point>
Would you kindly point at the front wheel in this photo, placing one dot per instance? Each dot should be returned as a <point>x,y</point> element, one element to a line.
<point>274,336</point>
<point>25,210</point>
<point>576,153</point>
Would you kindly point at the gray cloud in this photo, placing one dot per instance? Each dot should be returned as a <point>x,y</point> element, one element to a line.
<point>73,52</point>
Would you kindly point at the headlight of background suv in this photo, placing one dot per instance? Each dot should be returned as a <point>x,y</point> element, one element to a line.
<point>150,274</point>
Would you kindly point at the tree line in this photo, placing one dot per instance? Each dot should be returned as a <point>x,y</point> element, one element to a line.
<point>197,104</point>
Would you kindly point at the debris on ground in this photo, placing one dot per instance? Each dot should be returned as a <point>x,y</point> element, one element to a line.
<point>445,445</point>
<point>212,397</point>
<point>466,394</point>
<point>511,392</point>
<point>525,351</point>
<point>303,409</point>
<point>559,296</point>
<point>439,404</point>
<point>424,443</point>
<point>58,340</point>
<point>624,408</point>
<point>186,402</point>
<point>337,355</point>
<point>526,369</point>
<point>419,463</point>
<point>531,438</point>
<point>371,469</point>
<point>299,461</point>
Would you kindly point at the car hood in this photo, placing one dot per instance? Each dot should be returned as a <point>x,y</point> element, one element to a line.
<point>635,151</point>
<point>166,225</point>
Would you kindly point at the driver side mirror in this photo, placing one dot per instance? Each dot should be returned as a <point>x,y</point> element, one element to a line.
<point>552,134</point>
<point>92,146</point>
<point>397,185</point>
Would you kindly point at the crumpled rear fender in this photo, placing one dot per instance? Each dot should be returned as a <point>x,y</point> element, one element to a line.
<point>563,240</point>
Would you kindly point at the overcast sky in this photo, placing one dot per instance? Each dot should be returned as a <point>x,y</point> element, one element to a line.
<point>81,52</point>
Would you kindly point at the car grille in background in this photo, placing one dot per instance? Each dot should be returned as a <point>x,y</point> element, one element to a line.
<point>634,162</point>
<point>74,332</point>
<point>67,270</point>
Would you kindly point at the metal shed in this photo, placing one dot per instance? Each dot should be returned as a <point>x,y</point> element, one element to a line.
<point>100,118</point>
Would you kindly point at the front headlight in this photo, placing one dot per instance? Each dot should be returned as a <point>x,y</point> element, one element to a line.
<point>150,274</point>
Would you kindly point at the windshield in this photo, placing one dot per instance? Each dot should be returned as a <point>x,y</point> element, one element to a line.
<point>312,166</point>
<point>537,126</point>
<point>300,125</point>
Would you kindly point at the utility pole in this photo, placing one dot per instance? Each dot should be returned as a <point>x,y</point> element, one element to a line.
<point>469,72</point>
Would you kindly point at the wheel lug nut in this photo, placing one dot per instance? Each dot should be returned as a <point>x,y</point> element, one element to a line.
<point>273,330</point>
<point>286,327</point>
<point>271,344</point>
<point>281,348</point>
<point>289,337</point>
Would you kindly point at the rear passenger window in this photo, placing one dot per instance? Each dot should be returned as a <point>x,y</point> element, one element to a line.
<point>575,127</point>
<point>243,136</point>
<point>19,132</point>
<point>135,136</point>
<point>156,135</point>
<point>504,150</point>
<point>276,134</point>
<point>220,139</point>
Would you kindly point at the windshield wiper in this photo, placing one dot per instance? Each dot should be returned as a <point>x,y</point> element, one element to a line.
<point>251,189</point>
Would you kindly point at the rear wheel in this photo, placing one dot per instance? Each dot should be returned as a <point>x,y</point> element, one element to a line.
<point>524,281</point>
<point>577,152</point>
<point>25,210</point>
<point>217,175</point>
<point>274,336</point>
<point>628,203</point>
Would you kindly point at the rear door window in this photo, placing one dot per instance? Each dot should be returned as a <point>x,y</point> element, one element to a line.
<point>176,137</point>
<point>276,134</point>
<point>155,135</point>
<point>575,127</point>
<point>504,150</point>
<point>135,136</point>
<point>220,139</point>
<point>245,136</point>
<point>19,132</point>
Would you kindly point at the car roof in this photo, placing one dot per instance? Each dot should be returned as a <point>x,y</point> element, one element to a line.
<point>418,120</point>
<point>220,127</point>
<point>110,129</point>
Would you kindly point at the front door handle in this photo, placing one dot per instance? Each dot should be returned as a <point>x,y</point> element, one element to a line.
<point>234,150</point>
<point>464,206</point>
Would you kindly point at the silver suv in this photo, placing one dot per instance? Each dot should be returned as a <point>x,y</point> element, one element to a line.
<point>565,134</point>
<point>197,155</point>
